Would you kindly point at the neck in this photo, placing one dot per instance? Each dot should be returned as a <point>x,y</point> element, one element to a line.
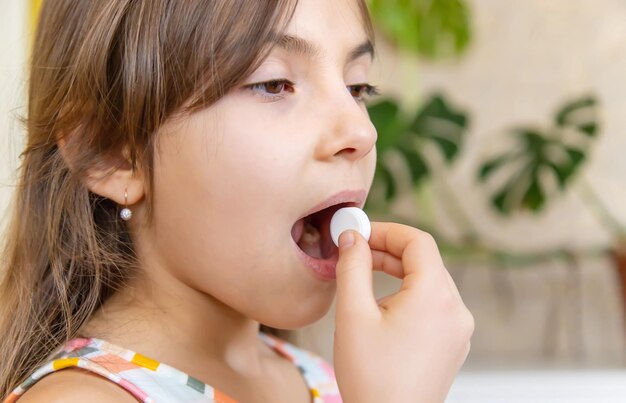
<point>160,316</point>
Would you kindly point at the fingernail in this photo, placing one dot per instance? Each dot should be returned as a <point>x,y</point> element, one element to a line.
<point>346,239</point>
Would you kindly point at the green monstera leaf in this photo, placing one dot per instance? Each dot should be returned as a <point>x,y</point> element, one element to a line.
<point>436,122</point>
<point>432,28</point>
<point>542,157</point>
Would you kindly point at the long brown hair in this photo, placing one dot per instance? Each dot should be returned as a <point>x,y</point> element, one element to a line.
<point>104,76</point>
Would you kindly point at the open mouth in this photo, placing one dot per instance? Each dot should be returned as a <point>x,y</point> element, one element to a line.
<point>312,233</point>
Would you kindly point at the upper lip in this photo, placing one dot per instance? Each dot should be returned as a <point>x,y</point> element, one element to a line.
<point>355,197</point>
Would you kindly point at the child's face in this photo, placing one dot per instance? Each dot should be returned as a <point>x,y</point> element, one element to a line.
<point>233,181</point>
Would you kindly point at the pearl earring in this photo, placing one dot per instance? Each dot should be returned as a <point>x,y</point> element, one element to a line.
<point>126,214</point>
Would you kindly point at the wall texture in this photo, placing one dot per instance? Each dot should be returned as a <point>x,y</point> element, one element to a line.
<point>526,58</point>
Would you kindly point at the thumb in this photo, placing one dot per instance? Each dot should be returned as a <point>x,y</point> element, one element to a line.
<point>354,276</point>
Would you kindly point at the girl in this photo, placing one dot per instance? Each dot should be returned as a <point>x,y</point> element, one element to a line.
<point>183,162</point>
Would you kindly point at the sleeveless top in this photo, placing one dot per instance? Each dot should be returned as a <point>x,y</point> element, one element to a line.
<point>151,381</point>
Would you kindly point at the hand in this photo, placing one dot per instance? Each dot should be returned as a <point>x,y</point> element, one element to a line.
<point>408,346</point>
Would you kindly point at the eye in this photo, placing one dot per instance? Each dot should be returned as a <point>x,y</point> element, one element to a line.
<point>360,92</point>
<point>274,87</point>
<point>271,89</point>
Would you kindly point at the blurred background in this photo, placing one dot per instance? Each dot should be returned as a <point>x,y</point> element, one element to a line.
<point>501,131</point>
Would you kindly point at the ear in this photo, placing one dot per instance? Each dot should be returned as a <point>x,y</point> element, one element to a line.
<point>123,185</point>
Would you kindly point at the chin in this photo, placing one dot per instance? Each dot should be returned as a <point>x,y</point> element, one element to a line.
<point>294,315</point>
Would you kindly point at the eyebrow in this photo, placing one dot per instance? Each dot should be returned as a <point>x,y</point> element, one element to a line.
<point>301,46</point>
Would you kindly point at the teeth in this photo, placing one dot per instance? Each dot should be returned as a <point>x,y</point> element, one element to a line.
<point>310,235</point>
<point>310,241</point>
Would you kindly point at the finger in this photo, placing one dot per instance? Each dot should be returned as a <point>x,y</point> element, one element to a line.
<point>354,277</point>
<point>453,288</point>
<point>387,263</point>
<point>416,249</point>
<point>382,302</point>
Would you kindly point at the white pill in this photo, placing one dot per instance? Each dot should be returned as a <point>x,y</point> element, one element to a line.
<point>349,218</point>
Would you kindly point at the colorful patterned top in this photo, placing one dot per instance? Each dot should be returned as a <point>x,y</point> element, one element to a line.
<point>151,381</point>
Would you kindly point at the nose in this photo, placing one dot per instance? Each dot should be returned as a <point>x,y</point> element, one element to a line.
<point>349,132</point>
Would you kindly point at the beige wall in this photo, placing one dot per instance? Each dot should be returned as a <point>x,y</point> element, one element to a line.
<point>527,57</point>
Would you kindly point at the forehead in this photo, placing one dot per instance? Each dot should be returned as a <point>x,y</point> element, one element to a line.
<point>334,26</point>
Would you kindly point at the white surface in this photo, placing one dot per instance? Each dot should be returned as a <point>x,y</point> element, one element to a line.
<point>540,387</point>
<point>13,50</point>
<point>349,218</point>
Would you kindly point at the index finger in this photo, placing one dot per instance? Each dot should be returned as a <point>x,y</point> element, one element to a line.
<point>417,249</point>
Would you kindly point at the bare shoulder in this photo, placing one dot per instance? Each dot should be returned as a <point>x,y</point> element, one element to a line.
<point>76,385</point>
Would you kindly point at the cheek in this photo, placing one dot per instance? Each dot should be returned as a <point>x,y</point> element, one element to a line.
<point>220,200</point>
<point>218,208</point>
<point>221,224</point>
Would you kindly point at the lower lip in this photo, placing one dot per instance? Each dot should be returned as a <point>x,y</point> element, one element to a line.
<point>323,269</point>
